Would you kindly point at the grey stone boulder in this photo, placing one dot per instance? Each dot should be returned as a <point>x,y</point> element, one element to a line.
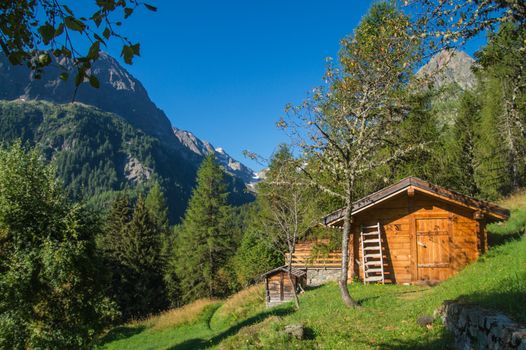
<point>296,330</point>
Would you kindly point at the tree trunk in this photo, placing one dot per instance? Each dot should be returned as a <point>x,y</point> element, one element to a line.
<point>296,299</point>
<point>347,299</point>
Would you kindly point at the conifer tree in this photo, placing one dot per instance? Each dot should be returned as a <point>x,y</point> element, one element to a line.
<point>133,254</point>
<point>142,256</point>
<point>204,243</point>
<point>156,204</point>
<point>463,152</point>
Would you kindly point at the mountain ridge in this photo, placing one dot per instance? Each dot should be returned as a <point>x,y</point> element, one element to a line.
<point>119,92</point>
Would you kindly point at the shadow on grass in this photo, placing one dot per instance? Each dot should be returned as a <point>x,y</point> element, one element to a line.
<point>496,239</point>
<point>121,332</point>
<point>444,341</point>
<point>199,343</point>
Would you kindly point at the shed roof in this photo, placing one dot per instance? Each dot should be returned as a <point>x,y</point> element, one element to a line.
<point>294,271</point>
<point>490,209</point>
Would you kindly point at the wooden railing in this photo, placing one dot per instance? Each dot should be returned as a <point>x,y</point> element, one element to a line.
<point>306,257</point>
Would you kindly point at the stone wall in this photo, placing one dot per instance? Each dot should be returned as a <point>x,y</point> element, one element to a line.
<point>476,328</point>
<point>317,277</point>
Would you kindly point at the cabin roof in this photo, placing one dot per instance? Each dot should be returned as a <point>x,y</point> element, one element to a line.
<point>294,271</point>
<point>492,210</point>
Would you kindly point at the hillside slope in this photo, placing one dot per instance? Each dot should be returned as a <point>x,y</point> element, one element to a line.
<point>387,319</point>
<point>97,153</point>
<point>120,96</point>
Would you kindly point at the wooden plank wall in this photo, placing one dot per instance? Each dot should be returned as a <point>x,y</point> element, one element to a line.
<point>397,217</point>
<point>279,287</point>
<point>305,257</point>
<point>396,241</point>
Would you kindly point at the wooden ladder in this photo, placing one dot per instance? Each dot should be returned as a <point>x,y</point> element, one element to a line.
<point>372,255</point>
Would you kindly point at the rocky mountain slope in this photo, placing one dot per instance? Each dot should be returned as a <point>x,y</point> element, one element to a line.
<point>203,148</point>
<point>92,140</point>
<point>450,67</point>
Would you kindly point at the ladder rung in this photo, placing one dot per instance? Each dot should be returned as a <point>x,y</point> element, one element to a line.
<point>373,270</point>
<point>374,279</point>
<point>371,241</point>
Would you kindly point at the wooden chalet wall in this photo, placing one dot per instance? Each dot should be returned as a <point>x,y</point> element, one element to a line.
<point>423,237</point>
<point>305,257</point>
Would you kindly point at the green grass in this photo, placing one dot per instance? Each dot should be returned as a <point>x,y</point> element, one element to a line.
<point>386,319</point>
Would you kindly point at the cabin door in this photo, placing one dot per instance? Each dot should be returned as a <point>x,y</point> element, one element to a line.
<point>432,247</point>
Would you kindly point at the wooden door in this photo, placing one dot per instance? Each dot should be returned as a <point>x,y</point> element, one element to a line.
<point>432,248</point>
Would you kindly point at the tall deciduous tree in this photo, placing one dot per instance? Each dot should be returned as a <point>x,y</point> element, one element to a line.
<point>447,23</point>
<point>288,205</point>
<point>51,279</point>
<point>204,243</point>
<point>344,129</point>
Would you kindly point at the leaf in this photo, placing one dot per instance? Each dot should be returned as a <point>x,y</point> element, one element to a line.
<point>136,49</point>
<point>97,18</point>
<point>79,78</point>
<point>94,50</point>
<point>127,12</point>
<point>16,58</point>
<point>59,30</point>
<point>74,24</point>
<point>47,33</point>
<point>94,81</point>
<point>150,7</point>
<point>106,33</point>
<point>127,54</point>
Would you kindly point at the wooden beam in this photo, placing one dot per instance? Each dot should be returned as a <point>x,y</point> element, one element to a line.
<point>410,191</point>
<point>478,215</point>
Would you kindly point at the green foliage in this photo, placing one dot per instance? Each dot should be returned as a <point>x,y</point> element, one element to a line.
<point>463,160</point>
<point>205,241</point>
<point>132,249</point>
<point>51,279</point>
<point>256,253</point>
<point>28,27</point>
<point>387,319</point>
<point>94,150</point>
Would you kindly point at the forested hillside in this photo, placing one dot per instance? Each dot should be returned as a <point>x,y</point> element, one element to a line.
<point>98,154</point>
<point>114,138</point>
<point>109,214</point>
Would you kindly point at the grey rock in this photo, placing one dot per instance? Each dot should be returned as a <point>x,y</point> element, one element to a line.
<point>425,321</point>
<point>203,148</point>
<point>295,330</point>
<point>450,67</point>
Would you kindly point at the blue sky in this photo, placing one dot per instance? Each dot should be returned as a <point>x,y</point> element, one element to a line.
<point>225,69</point>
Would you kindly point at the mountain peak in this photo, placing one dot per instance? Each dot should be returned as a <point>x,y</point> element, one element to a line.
<point>450,67</point>
<point>203,148</point>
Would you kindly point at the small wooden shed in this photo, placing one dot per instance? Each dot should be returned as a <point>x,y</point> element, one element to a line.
<point>278,285</point>
<point>414,231</point>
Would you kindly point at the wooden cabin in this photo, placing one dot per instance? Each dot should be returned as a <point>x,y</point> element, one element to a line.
<point>414,232</point>
<point>279,287</point>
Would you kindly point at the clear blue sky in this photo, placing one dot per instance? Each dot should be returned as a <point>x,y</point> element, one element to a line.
<point>225,69</point>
